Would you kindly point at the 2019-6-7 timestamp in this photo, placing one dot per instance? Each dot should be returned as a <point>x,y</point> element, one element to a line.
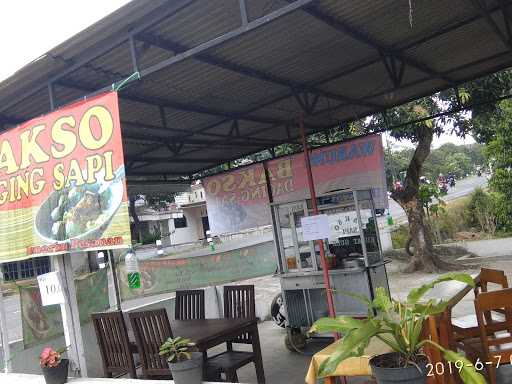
<point>441,368</point>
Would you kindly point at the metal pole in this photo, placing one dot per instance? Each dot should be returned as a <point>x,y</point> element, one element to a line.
<point>273,215</point>
<point>6,352</point>
<point>115,281</point>
<point>320,243</point>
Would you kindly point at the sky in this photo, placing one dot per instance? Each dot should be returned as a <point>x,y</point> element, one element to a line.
<point>30,28</point>
<point>436,143</point>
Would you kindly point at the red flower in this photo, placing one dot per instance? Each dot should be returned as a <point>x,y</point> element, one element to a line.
<point>49,358</point>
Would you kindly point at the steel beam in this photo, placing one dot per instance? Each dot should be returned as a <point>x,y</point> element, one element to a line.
<point>250,26</point>
<point>176,160</point>
<point>244,70</point>
<point>164,141</point>
<point>177,105</point>
<point>357,35</point>
<point>186,139</point>
<point>482,8</point>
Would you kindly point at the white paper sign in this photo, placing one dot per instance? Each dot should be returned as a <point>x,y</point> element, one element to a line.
<point>315,227</point>
<point>345,224</point>
<point>51,289</point>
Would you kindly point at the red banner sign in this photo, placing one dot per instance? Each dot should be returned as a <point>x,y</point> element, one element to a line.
<point>238,200</point>
<point>62,184</point>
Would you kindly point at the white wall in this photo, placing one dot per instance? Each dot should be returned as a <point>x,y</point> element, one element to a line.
<point>193,231</point>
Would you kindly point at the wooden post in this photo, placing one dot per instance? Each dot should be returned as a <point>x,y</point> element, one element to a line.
<point>70,315</point>
<point>3,330</point>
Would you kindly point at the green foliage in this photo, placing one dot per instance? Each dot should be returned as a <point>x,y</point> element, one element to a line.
<point>151,237</point>
<point>452,219</point>
<point>177,349</point>
<point>399,324</point>
<point>448,158</point>
<point>399,236</point>
<point>430,196</point>
<point>499,152</point>
<point>493,126</point>
<point>481,211</point>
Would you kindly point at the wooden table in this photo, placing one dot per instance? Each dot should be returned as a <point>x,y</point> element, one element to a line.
<point>209,333</point>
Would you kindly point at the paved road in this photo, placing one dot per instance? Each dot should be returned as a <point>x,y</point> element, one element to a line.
<point>462,188</point>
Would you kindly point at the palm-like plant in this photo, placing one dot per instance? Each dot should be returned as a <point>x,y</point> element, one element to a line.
<point>399,325</point>
<point>177,349</point>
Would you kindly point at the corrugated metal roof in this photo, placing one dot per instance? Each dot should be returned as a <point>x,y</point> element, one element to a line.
<point>234,88</point>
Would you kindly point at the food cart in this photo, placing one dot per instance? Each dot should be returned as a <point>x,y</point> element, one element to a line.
<point>352,250</point>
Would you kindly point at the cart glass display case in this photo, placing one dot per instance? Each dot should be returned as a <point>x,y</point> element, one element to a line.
<point>352,250</point>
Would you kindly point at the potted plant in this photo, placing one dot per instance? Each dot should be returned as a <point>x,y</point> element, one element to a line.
<point>54,367</point>
<point>185,363</point>
<point>399,324</point>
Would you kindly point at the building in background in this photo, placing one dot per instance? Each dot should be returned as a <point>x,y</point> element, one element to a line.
<point>185,221</point>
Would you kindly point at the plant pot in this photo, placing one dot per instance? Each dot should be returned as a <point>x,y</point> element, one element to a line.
<point>189,371</point>
<point>58,374</point>
<point>387,375</point>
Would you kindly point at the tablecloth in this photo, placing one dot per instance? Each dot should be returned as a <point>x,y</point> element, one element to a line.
<point>353,366</point>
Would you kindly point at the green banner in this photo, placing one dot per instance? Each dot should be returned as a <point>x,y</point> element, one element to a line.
<point>169,274</point>
<point>41,324</point>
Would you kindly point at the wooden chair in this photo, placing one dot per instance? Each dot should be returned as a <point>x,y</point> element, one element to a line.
<point>115,350</point>
<point>189,305</point>
<point>239,302</point>
<point>151,330</point>
<point>466,327</point>
<point>495,341</point>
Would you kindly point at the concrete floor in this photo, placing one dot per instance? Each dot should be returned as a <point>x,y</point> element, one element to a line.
<point>282,366</point>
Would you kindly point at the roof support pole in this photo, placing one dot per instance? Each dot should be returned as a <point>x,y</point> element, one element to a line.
<point>51,96</point>
<point>312,193</point>
<point>133,53</point>
<point>70,315</point>
<point>6,352</point>
<point>243,12</point>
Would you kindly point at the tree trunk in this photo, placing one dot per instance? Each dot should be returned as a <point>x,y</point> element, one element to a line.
<point>424,257</point>
<point>133,214</point>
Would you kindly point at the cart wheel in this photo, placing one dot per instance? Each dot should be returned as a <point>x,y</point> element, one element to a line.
<point>295,340</point>
<point>278,312</point>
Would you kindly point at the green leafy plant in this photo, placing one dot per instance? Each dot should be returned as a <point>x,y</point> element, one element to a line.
<point>399,324</point>
<point>177,349</point>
